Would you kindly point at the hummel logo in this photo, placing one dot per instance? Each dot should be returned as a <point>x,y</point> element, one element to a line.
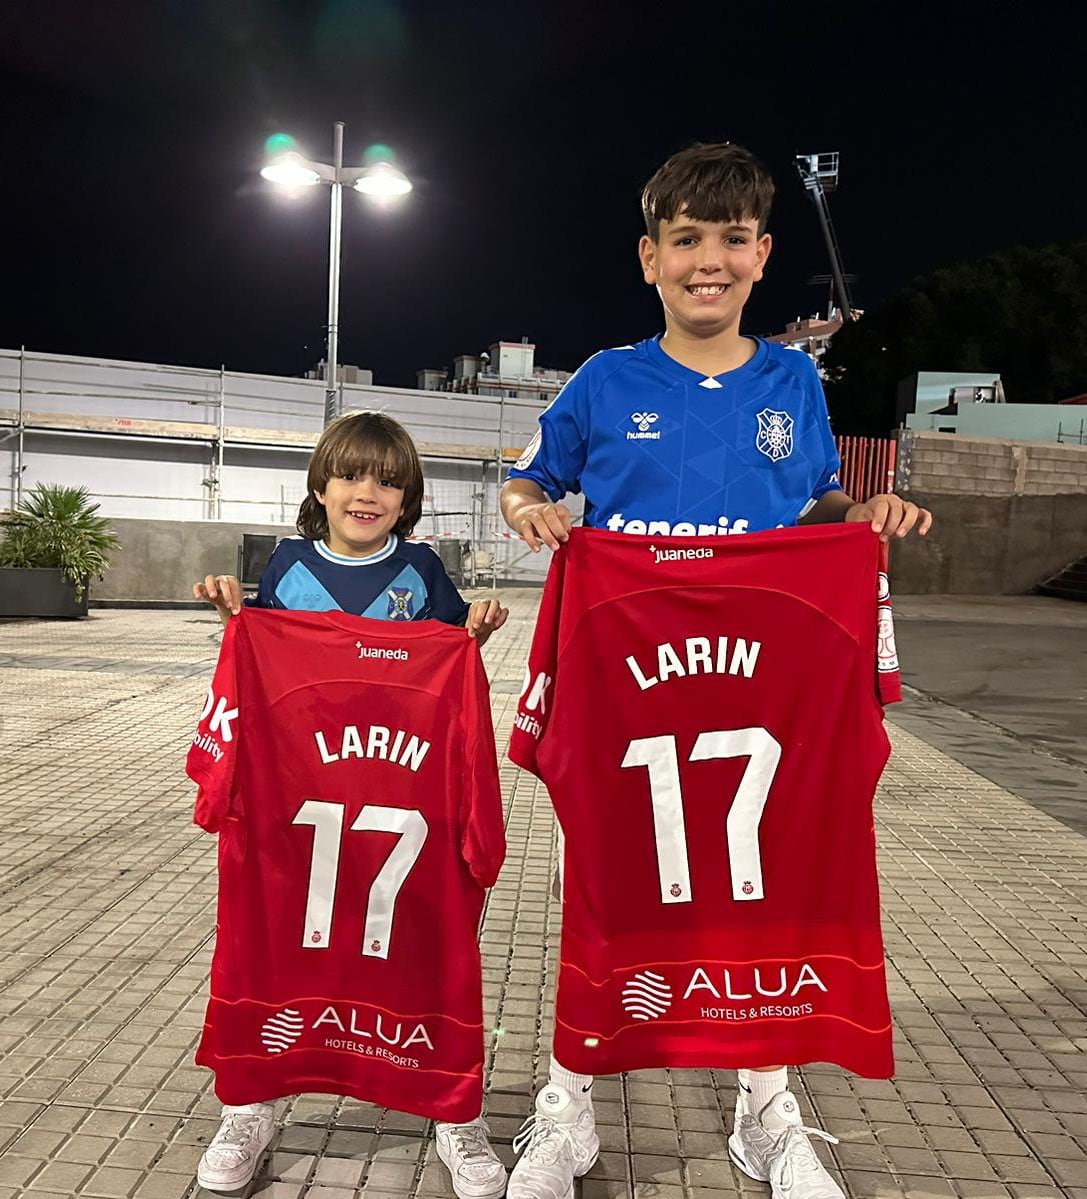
<point>644,420</point>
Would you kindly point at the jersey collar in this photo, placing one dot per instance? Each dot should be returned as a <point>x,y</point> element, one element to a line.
<point>684,373</point>
<point>386,551</point>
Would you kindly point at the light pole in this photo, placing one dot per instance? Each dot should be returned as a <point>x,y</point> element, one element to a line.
<point>379,180</point>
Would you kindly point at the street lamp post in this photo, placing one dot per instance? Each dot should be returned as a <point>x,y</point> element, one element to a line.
<point>335,226</point>
<point>380,181</point>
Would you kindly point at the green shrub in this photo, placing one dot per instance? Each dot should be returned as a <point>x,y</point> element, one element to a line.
<point>56,526</point>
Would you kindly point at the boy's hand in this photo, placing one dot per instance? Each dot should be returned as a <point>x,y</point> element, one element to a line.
<point>544,524</point>
<point>484,616</point>
<point>224,591</point>
<point>892,516</point>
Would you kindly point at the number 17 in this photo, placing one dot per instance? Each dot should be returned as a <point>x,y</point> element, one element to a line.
<point>661,759</point>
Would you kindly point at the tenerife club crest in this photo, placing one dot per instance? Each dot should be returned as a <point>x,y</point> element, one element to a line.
<point>401,603</point>
<point>775,435</point>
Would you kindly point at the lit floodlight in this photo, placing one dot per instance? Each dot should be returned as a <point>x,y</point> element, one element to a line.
<point>290,170</point>
<point>279,143</point>
<point>383,180</point>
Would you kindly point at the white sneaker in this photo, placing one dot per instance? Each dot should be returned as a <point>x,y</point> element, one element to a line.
<point>231,1159</point>
<point>560,1144</point>
<point>773,1147</point>
<point>474,1168</point>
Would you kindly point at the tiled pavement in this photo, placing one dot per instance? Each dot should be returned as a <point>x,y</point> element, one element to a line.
<point>106,919</point>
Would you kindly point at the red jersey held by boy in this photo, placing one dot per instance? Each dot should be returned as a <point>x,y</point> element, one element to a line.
<point>349,768</point>
<point>707,714</point>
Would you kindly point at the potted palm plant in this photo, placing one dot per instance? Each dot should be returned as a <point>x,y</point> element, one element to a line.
<point>50,546</point>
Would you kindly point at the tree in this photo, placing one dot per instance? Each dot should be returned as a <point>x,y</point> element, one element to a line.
<point>1020,313</point>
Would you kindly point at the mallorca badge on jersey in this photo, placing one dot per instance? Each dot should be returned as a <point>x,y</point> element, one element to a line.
<point>401,603</point>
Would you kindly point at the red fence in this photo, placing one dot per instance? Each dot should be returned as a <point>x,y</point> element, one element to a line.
<point>868,465</point>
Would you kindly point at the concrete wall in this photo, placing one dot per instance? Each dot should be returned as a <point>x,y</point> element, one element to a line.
<point>1006,514</point>
<point>159,560</point>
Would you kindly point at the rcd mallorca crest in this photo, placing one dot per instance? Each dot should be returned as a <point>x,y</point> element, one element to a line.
<point>775,435</point>
<point>401,603</point>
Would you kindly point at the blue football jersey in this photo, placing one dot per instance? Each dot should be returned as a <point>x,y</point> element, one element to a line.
<point>402,581</point>
<point>658,448</point>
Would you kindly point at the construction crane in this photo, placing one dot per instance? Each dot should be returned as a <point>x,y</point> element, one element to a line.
<point>819,174</point>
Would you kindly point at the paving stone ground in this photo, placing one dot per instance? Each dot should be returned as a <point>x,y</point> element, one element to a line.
<point>106,926</point>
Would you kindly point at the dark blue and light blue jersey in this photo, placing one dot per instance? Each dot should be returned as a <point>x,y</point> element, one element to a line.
<point>659,448</point>
<point>400,582</point>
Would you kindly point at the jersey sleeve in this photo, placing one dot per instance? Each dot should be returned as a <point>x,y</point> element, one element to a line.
<point>888,677</point>
<point>483,832</point>
<point>831,464</point>
<point>534,706</point>
<point>555,457</point>
<point>446,602</point>
<point>213,753</point>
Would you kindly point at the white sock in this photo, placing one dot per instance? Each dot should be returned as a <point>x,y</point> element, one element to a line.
<point>758,1087</point>
<point>579,1086</point>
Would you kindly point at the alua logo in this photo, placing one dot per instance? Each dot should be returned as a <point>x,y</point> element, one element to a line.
<point>644,422</point>
<point>284,1029</point>
<point>647,996</point>
<point>684,555</point>
<point>745,982</point>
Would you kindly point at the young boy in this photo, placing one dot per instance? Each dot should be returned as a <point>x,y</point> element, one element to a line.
<point>364,495</point>
<point>700,431</point>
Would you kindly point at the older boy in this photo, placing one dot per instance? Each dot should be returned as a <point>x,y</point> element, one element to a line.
<point>700,431</point>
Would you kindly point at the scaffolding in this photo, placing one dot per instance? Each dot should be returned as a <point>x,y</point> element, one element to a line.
<point>235,415</point>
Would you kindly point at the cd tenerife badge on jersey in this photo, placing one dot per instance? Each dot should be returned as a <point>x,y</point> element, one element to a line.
<point>707,716</point>
<point>349,767</point>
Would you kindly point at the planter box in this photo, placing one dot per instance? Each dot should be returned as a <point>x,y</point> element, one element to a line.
<point>30,591</point>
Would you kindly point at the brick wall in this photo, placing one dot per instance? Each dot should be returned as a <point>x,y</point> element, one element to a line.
<point>948,464</point>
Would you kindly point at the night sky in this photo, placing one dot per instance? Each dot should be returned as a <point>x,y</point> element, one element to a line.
<point>135,224</point>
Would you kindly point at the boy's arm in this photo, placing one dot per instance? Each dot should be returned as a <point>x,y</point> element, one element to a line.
<point>532,516</point>
<point>890,515</point>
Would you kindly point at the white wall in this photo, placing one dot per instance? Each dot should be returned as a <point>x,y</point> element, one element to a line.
<point>156,478</point>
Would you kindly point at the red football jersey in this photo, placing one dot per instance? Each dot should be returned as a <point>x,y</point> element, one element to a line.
<point>707,716</point>
<point>349,768</point>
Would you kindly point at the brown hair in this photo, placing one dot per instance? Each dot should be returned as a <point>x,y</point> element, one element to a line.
<point>363,443</point>
<point>716,182</point>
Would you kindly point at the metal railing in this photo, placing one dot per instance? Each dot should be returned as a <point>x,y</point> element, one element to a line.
<point>868,465</point>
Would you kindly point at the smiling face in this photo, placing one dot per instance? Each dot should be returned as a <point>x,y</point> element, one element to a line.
<point>364,481</point>
<point>362,511</point>
<point>704,271</point>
